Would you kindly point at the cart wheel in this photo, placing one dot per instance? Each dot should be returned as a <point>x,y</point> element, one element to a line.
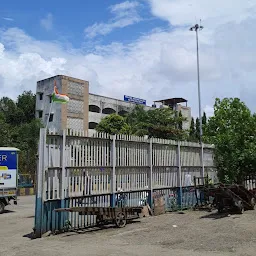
<point>120,220</point>
<point>2,205</point>
<point>253,202</point>
<point>99,221</point>
<point>240,207</point>
<point>220,209</point>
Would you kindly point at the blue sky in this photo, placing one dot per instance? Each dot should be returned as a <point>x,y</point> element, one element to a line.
<point>141,48</point>
<point>68,19</point>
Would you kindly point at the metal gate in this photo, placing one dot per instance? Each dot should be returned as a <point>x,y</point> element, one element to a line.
<point>75,169</point>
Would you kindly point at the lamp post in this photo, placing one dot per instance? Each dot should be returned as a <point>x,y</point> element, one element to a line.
<point>196,28</point>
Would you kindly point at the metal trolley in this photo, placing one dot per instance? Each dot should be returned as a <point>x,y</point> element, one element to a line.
<point>107,215</point>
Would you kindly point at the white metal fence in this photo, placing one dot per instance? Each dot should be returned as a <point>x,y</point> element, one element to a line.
<point>75,168</point>
<point>76,164</point>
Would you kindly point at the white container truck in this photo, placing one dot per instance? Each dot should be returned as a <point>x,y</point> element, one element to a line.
<point>8,176</point>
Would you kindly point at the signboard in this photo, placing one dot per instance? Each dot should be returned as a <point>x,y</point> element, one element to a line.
<point>134,100</point>
<point>8,169</point>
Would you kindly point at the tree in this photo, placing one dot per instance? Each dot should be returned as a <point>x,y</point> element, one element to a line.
<point>25,137</point>
<point>204,119</point>
<point>138,120</point>
<point>180,121</point>
<point>204,122</point>
<point>160,123</point>
<point>197,131</point>
<point>19,128</point>
<point>192,130</point>
<point>12,114</point>
<point>27,103</point>
<point>113,124</point>
<point>232,130</point>
<point>5,136</point>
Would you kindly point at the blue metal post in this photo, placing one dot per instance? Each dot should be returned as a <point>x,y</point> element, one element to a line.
<point>150,175</point>
<point>40,181</point>
<point>63,180</point>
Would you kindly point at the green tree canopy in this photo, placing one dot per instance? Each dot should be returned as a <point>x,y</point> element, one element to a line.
<point>192,130</point>
<point>233,131</point>
<point>160,122</point>
<point>113,124</point>
<point>26,102</point>
<point>19,128</point>
<point>197,131</point>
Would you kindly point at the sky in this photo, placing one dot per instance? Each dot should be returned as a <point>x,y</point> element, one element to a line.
<point>139,48</point>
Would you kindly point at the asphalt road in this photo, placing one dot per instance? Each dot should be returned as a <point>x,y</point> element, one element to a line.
<point>188,234</point>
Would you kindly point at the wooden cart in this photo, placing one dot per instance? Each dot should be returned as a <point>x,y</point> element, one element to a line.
<point>233,197</point>
<point>107,215</point>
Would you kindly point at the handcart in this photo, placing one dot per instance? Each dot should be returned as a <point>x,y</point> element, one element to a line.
<point>232,197</point>
<point>107,215</point>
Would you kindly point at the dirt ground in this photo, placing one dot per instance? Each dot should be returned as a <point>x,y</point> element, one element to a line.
<point>188,234</point>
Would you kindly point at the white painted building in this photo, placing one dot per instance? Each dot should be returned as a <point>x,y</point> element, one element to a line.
<point>85,110</point>
<point>101,106</point>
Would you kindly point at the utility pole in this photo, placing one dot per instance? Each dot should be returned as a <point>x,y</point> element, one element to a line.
<point>196,28</point>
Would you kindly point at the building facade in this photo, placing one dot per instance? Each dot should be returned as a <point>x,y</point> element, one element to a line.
<point>73,115</point>
<point>84,110</point>
<point>101,106</point>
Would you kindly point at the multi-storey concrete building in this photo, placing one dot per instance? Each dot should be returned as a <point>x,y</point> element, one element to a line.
<point>84,110</point>
<point>175,104</point>
<point>73,115</point>
<point>101,106</point>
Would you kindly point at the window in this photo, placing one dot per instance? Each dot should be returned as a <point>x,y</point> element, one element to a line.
<point>41,96</point>
<point>94,108</point>
<point>92,125</point>
<point>122,113</point>
<point>51,118</point>
<point>108,111</point>
<point>40,113</point>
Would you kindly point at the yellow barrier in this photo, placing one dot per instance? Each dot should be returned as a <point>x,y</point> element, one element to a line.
<point>26,191</point>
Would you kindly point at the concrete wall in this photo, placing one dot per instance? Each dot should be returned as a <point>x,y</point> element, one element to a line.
<point>45,87</point>
<point>186,113</point>
<point>77,108</point>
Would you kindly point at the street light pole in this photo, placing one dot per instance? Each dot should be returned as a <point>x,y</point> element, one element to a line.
<point>196,28</point>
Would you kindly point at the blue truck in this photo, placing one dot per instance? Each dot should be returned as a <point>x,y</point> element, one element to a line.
<point>8,176</point>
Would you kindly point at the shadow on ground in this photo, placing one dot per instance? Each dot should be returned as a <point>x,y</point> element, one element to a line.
<point>8,211</point>
<point>74,232</point>
<point>30,235</point>
<point>216,216</point>
<point>96,228</point>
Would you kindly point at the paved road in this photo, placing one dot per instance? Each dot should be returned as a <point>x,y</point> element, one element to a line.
<point>196,234</point>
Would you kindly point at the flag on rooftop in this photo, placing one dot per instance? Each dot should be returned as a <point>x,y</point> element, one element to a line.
<point>57,97</point>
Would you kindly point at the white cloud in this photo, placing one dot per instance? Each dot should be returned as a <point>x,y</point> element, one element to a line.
<point>158,65</point>
<point>124,6</point>
<point>209,111</point>
<point>8,19</point>
<point>46,22</point>
<point>212,13</point>
<point>125,14</point>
